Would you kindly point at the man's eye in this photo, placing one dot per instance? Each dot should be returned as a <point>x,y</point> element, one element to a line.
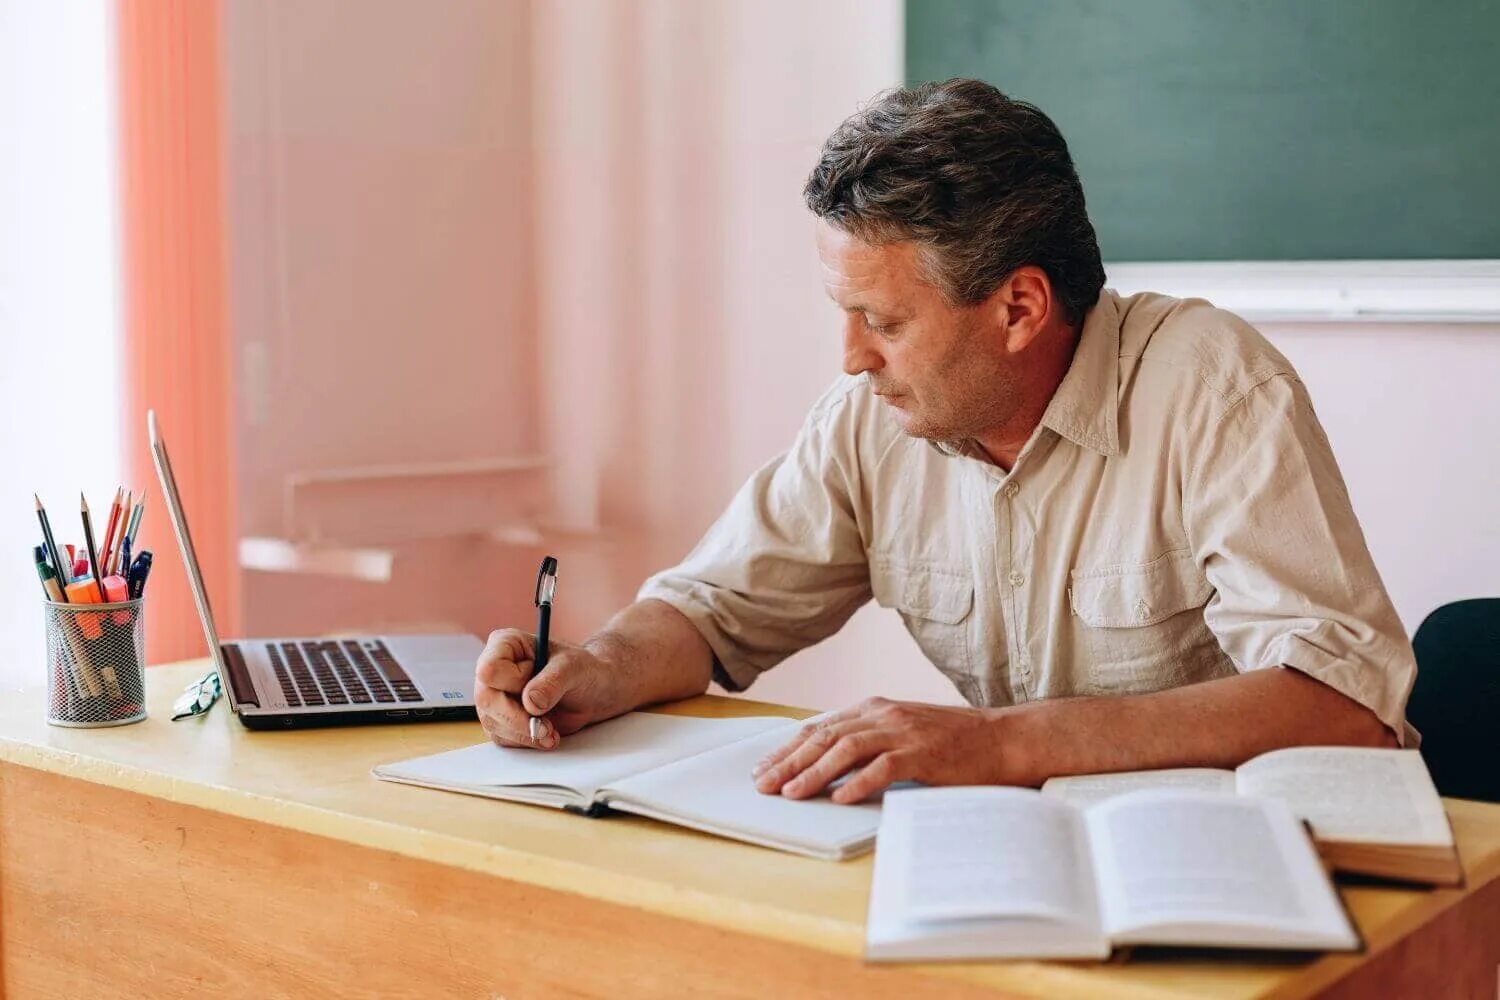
<point>881,329</point>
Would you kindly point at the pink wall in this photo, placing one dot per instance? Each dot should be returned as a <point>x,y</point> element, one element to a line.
<point>472,230</point>
<point>382,278</point>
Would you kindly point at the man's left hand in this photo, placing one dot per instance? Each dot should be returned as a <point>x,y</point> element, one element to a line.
<point>890,741</point>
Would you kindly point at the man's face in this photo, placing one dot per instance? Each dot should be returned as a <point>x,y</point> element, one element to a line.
<point>943,370</point>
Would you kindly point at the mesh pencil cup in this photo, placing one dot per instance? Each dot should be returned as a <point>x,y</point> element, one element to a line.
<point>96,655</point>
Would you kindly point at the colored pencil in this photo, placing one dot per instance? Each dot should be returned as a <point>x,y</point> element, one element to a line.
<point>63,572</point>
<point>110,528</point>
<point>88,540</point>
<point>135,520</point>
<point>126,510</point>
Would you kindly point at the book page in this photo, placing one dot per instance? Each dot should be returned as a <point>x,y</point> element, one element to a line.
<point>586,760</point>
<point>1353,794</point>
<point>1210,868</point>
<point>982,873</point>
<point>714,791</point>
<point>1084,790</point>
<point>991,852</point>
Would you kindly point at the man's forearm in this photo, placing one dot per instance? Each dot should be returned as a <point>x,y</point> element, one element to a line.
<point>1220,723</point>
<point>654,654</point>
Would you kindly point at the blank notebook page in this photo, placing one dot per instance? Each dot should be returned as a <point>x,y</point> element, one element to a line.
<point>716,788</point>
<point>586,760</point>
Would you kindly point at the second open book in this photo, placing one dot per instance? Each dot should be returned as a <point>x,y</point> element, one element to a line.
<point>1008,872</point>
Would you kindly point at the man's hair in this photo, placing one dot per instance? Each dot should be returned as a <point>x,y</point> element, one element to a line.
<point>982,183</point>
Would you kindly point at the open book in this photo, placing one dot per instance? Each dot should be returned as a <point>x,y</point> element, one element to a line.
<point>1010,873</point>
<point>1372,812</point>
<point>692,772</point>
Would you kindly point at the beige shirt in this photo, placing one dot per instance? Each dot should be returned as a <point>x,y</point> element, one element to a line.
<point>1177,516</point>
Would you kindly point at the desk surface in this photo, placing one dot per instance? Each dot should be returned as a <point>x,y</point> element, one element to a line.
<point>319,782</point>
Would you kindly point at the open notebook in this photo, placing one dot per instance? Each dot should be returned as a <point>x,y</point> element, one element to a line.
<point>977,873</point>
<point>1372,812</point>
<point>691,772</point>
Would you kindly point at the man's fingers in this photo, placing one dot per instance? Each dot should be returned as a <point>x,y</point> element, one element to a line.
<point>823,721</point>
<point>849,752</point>
<point>542,693</point>
<point>799,754</point>
<point>505,663</point>
<point>874,778</point>
<point>507,723</point>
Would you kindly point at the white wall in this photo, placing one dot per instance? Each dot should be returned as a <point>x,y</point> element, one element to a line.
<point>60,315</point>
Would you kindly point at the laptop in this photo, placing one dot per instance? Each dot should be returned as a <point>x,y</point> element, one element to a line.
<point>295,683</point>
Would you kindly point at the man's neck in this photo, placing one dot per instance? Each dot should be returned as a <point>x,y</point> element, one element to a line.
<point>1003,445</point>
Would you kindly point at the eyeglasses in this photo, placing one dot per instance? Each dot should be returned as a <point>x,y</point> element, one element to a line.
<point>198,697</point>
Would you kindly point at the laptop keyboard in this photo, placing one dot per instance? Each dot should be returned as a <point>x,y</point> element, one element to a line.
<point>339,672</point>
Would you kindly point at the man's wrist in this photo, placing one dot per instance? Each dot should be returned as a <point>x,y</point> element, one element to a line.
<point>616,667</point>
<point>1013,752</point>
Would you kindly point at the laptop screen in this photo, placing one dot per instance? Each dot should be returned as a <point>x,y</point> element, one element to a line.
<point>185,546</point>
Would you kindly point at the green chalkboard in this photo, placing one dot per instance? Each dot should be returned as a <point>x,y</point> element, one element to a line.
<point>1264,130</point>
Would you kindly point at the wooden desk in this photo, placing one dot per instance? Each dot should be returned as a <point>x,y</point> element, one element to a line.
<point>177,858</point>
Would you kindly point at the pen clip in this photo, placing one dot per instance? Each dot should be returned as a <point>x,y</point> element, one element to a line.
<point>546,582</point>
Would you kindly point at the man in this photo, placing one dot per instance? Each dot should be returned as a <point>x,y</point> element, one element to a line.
<point>1114,523</point>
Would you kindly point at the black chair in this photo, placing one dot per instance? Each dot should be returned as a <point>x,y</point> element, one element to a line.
<point>1455,702</point>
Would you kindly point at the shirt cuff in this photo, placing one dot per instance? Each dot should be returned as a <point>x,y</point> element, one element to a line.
<point>729,672</point>
<point>1366,682</point>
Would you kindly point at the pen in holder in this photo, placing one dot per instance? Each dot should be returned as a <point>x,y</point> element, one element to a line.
<point>96,663</point>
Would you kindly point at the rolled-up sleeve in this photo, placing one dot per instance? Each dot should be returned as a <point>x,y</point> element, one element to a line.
<point>1273,529</point>
<point>784,567</point>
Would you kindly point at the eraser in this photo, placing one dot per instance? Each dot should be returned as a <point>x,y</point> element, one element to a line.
<point>82,591</point>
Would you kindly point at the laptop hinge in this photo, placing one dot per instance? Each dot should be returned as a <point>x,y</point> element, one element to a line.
<point>239,675</point>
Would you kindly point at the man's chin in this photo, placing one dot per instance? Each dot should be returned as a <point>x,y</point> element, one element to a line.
<point>914,426</point>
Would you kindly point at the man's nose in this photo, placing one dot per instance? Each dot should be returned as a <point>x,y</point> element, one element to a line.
<point>859,354</point>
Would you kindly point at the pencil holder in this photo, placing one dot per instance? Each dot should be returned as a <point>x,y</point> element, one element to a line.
<point>96,664</point>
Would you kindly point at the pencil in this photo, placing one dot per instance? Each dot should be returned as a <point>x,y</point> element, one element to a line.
<point>135,522</point>
<point>63,572</point>
<point>126,510</point>
<point>88,539</point>
<point>109,531</point>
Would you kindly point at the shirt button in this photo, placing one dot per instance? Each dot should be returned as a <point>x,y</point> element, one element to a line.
<point>1011,489</point>
<point>1016,579</point>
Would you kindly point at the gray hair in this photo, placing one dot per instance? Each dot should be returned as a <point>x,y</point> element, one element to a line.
<point>982,183</point>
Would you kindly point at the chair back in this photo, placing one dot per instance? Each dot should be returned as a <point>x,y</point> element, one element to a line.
<point>1455,702</point>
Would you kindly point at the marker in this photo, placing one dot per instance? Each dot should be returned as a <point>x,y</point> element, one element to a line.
<point>48,576</point>
<point>136,582</point>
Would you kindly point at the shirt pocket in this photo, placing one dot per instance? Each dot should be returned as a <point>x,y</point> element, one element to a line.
<point>1142,625</point>
<point>935,604</point>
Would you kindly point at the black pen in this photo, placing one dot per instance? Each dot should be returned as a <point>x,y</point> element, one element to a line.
<point>546,587</point>
<point>135,580</point>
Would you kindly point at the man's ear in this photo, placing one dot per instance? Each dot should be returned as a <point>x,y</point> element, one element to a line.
<point>1023,304</point>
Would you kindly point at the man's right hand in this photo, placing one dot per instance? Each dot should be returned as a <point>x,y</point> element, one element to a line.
<point>573,690</point>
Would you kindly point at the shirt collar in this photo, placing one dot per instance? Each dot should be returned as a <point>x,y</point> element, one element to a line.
<point>1085,407</point>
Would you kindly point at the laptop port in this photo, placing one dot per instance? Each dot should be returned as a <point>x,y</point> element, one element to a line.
<point>423,712</point>
<point>397,715</point>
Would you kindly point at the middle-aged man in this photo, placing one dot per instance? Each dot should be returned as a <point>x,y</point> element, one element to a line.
<point>1115,524</point>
